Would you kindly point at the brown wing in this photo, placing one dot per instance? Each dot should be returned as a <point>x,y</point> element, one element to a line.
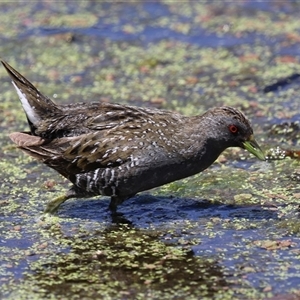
<point>131,138</point>
<point>72,155</point>
<point>96,150</point>
<point>81,118</point>
<point>106,144</point>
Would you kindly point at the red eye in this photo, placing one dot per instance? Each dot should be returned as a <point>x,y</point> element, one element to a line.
<point>233,129</point>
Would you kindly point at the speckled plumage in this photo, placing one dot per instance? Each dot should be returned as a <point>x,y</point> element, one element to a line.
<point>119,150</point>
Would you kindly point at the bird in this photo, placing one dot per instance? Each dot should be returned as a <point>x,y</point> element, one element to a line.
<point>116,150</point>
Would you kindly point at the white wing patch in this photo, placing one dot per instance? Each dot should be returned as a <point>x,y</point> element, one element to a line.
<point>29,110</point>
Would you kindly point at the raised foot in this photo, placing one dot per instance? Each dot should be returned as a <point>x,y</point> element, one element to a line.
<point>46,219</point>
<point>53,205</point>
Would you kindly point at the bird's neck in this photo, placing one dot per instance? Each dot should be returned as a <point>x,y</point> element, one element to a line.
<point>202,147</point>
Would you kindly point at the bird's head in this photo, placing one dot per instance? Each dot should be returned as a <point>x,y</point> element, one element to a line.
<point>234,129</point>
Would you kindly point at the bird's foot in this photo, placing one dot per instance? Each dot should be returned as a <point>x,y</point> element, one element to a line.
<point>45,219</point>
<point>53,205</point>
<point>118,218</point>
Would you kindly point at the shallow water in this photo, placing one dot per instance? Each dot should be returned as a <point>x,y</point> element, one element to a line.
<point>231,232</point>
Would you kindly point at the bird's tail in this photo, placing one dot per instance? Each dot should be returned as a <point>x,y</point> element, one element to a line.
<point>46,151</point>
<point>36,106</point>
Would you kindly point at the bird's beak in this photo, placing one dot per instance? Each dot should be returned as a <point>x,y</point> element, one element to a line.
<point>252,146</point>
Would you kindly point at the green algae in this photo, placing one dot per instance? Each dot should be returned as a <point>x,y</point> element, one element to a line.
<point>138,263</point>
<point>223,19</point>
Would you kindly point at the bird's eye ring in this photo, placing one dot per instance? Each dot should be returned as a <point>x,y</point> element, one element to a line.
<point>233,129</point>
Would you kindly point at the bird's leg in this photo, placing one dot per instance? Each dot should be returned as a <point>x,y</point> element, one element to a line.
<point>114,202</point>
<point>54,204</point>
